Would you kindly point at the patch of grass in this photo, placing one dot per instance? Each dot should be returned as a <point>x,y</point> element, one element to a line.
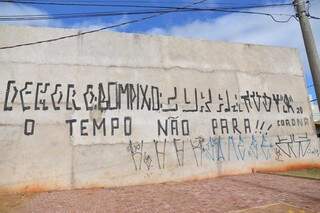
<point>271,208</point>
<point>313,173</point>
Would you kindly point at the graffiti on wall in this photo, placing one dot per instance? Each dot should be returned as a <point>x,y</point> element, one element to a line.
<point>119,96</point>
<point>115,96</point>
<point>220,149</point>
<point>233,133</point>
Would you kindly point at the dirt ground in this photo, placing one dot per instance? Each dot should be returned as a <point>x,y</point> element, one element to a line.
<point>271,193</point>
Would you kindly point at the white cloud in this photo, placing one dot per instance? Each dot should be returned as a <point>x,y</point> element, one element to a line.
<point>96,24</point>
<point>10,9</point>
<point>232,27</point>
<point>249,29</point>
<point>252,29</point>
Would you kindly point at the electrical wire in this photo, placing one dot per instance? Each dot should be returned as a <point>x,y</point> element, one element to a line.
<point>158,13</point>
<point>314,17</point>
<point>92,31</point>
<point>308,11</point>
<point>72,3</point>
<point>76,15</point>
<point>224,9</point>
<point>272,16</point>
<point>6,18</point>
<point>78,34</point>
<point>99,14</point>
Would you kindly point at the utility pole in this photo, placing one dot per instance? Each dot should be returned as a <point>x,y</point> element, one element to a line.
<point>310,45</point>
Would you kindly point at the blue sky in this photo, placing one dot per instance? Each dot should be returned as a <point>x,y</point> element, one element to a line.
<point>200,25</point>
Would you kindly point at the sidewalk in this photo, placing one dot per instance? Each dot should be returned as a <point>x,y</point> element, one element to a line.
<point>221,194</point>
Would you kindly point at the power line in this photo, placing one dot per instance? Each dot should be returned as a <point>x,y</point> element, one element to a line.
<point>83,4</point>
<point>146,6</point>
<point>158,13</point>
<point>131,5</point>
<point>272,16</point>
<point>314,17</point>
<point>308,6</point>
<point>76,15</point>
<point>79,34</point>
<point>99,14</point>
<point>91,31</point>
<point>176,9</point>
<point>118,25</point>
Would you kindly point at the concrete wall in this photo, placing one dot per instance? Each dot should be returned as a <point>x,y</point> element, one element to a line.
<point>111,109</point>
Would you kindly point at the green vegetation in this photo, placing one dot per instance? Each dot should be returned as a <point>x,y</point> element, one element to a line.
<point>313,173</point>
